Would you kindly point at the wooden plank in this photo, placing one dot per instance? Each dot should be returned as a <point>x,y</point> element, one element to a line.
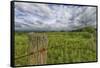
<point>38,43</point>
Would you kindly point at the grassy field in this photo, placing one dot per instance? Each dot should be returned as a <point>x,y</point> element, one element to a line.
<point>68,47</point>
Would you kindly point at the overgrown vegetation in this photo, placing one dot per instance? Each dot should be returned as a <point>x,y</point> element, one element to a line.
<point>66,47</point>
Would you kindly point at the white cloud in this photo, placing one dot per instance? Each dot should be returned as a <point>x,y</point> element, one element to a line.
<point>51,17</point>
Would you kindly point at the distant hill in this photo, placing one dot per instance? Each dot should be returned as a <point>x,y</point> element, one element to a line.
<point>85,29</point>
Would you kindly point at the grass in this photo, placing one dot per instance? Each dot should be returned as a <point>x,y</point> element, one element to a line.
<point>74,47</point>
<point>21,45</point>
<point>68,47</point>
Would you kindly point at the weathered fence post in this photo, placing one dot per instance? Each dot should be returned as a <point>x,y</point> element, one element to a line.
<point>38,43</point>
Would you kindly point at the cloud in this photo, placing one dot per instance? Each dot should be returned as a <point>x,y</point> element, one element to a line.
<point>51,17</point>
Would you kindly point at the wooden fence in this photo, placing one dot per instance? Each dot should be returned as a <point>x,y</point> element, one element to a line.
<point>37,42</point>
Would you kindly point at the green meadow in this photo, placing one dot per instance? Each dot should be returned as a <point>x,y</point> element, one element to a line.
<point>63,47</point>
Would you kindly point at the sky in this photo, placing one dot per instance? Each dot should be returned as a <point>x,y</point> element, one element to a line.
<point>52,17</point>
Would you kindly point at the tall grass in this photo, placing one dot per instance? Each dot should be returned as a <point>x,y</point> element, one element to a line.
<point>65,47</point>
<point>72,47</point>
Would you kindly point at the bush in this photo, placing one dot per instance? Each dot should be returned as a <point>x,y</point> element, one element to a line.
<point>89,29</point>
